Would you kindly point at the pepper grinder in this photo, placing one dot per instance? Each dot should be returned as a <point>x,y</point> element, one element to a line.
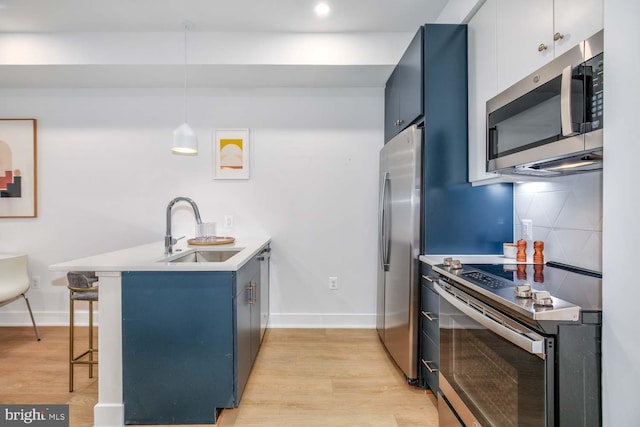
<point>538,257</point>
<point>521,256</point>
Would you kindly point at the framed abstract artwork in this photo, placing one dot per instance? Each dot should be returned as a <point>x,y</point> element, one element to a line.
<point>18,168</point>
<point>231,154</point>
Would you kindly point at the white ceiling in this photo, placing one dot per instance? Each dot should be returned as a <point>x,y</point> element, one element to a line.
<point>215,15</point>
<point>382,22</point>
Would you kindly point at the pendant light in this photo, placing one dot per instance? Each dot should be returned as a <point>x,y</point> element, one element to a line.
<point>184,138</point>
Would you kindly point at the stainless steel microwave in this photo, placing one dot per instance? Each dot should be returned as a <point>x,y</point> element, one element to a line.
<point>550,123</point>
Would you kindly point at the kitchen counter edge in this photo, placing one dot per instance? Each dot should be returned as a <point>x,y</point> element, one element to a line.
<point>150,257</point>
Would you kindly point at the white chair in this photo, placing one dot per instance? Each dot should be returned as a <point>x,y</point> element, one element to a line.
<point>14,282</point>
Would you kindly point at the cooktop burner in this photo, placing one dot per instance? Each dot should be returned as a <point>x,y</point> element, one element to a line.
<point>552,291</point>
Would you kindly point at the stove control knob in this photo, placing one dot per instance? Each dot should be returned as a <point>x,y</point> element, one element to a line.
<point>524,291</point>
<point>542,298</point>
<point>447,262</point>
<point>456,264</point>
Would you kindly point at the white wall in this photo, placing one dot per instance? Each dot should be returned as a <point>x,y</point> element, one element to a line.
<point>567,216</point>
<point>106,174</point>
<point>459,11</point>
<point>621,292</point>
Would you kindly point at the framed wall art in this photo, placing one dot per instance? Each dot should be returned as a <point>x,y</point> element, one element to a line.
<point>18,168</point>
<point>231,154</point>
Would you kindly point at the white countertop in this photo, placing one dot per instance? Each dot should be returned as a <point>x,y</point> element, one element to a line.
<point>150,257</point>
<point>472,259</point>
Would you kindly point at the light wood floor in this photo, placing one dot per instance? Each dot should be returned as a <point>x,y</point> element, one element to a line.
<point>302,377</point>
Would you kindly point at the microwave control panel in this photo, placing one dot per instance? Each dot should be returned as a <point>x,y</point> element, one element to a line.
<point>594,67</point>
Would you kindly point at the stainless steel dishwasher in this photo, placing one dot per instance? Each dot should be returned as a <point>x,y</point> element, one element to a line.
<point>264,257</point>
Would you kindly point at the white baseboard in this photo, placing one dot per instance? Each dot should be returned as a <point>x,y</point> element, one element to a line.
<point>276,320</point>
<point>46,318</point>
<point>322,320</point>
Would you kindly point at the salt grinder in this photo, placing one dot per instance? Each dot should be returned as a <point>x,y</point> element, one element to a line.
<point>538,257</point>
<point>521,256</point>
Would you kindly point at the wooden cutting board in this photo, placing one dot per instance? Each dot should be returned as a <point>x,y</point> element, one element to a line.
<point>210,241</point>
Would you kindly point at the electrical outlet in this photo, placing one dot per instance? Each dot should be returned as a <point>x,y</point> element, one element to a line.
<point>35,282</point>
<point>228,221</point>
<point>527,229</point>
<point>333,283</point>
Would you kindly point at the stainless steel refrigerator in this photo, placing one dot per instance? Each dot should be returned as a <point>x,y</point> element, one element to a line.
<point>399,247</point>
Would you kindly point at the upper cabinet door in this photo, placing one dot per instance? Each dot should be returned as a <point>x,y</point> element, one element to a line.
<point>410,87</point>
<point>391,106</point>
<point>575,20</point>
<point>403,95</point>
<point>524,38</point>
<point>483,85</point>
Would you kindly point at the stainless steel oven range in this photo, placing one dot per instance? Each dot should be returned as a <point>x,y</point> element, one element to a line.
<point>519,345</point>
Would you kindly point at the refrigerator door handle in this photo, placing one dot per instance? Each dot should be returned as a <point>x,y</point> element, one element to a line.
<point>381,220</point>
<point>384,238</point>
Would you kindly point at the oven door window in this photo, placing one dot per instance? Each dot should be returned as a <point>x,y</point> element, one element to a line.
<point>500,383</point>
<point>534,119</point>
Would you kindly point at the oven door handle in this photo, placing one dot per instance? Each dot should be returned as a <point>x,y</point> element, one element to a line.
<point>531,342</point>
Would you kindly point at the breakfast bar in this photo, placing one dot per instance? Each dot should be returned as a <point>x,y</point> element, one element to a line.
<point>204,338</point>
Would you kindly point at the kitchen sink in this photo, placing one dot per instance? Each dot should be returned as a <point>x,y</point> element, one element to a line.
<point>206,256</point>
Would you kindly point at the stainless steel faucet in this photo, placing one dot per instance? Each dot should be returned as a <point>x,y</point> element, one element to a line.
<point>168,240</point>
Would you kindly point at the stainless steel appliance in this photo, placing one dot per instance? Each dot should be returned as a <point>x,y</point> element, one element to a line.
<point>520,344</point>
<point>550,123</point>
<point>399,248</point>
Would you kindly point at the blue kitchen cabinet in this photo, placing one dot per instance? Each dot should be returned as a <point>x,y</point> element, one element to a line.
<point>457,217</point>
<point>247,328</point>
<point>429,329</point>
<point>403,90</point>
<point>189,340</point>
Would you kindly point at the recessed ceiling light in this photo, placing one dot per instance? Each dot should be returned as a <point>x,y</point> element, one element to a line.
<point>322,9</point>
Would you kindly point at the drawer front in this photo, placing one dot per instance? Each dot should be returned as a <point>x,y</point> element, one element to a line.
<point>429,313</point>
<point>429,362</point>
<point>428,277</point>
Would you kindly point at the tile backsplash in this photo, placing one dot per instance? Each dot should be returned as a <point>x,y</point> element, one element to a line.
<point>567,216</point>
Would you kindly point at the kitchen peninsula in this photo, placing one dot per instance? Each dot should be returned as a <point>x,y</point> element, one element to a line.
<point>178,335</point>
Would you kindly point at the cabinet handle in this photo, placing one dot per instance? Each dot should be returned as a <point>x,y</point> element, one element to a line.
<point>249,288</point>
<point>542,47</point>
<point>400,121</point>
<point>430,279</point>
<point>429,368</point>
<point>426,314</point>
<point>557,36</point>
<point>397,123</point>
<point>252,296</point>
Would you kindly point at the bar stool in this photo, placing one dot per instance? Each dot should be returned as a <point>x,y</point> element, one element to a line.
<point>82,287</point>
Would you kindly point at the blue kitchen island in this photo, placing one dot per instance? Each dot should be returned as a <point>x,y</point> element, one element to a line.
<point>177,339</point>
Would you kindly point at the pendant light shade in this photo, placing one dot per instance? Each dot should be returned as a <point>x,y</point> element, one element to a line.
<point>185,140</point>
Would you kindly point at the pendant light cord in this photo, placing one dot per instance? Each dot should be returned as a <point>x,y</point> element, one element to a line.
<point>185,71</point>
